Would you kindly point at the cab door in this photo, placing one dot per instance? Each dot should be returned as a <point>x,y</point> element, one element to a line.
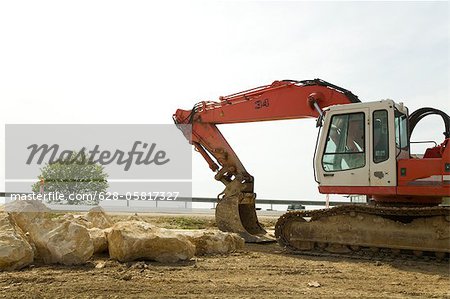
<point>383,167</point>
<point>342,158</point>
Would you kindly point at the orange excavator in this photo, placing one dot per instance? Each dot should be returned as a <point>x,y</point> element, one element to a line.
<point>362,148</point>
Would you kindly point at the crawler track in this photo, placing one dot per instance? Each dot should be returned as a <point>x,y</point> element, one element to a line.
<point>368,232</point>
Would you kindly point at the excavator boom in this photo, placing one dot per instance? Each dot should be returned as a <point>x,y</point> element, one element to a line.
<point>280,100</point>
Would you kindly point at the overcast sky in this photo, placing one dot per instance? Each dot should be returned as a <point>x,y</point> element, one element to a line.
<point>138,61</point>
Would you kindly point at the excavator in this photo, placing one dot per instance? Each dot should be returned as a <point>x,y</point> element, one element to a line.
<point>361,149</point>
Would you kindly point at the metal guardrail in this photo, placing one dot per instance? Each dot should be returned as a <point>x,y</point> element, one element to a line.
<point>279,202</point>
<point>214,200</point>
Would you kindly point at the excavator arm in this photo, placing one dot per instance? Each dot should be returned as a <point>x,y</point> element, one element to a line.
<point>280,100</point>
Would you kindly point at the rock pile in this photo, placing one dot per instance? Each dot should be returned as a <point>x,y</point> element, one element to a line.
<point>29,231</point>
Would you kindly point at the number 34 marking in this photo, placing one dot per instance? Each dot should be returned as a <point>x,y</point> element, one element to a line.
<point>261,103</point>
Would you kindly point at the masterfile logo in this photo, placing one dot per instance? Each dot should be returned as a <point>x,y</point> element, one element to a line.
<point>121,167</point>
<point>148,155</point>
<point>126,151</point>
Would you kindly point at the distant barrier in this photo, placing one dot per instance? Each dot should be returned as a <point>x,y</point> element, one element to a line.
<point>133,204</point>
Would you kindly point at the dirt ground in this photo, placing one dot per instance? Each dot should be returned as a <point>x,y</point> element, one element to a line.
<point>258,271</point>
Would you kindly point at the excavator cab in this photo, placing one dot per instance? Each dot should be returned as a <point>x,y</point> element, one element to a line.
<point>355,148</point>
<point>364,148</point>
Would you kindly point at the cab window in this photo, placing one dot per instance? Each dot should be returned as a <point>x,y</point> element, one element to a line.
<point>380,136</point>
<point>401,130</point>
<point>345,145</point>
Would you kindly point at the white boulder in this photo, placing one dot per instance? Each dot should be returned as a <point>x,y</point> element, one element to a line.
<point>214,242</point>
<point>15,251</point>
<point>57,240</point>
<point>78,219</point>
<point>98,218</point>
<point>99,239</point>
<point>132,240</point>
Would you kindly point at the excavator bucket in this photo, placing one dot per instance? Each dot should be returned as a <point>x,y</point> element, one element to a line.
<point>237,213</point>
